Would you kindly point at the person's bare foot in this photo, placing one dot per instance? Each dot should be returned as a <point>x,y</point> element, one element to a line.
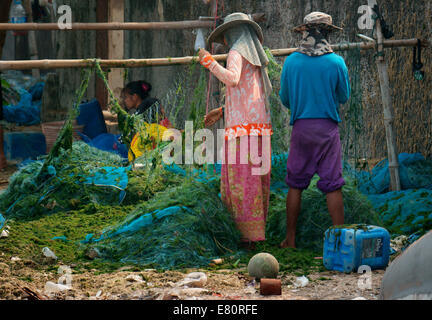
<point>286,244</point>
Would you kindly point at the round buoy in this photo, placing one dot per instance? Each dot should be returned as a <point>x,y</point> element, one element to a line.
<point>263,265</point>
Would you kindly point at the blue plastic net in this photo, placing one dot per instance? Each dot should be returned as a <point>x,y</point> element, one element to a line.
<point>183,226</point>
<point>414,171</point>
<point>405,212</point>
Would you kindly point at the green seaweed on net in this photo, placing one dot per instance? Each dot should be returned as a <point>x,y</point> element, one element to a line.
<point>314,218</point>
<point>187,97</point>
<point>190,238</point>
<point>151,178</point>
<point>64,138</point>
<point>62,188</point>
<point>280,115</point>
<point>10,95</point>
<point>127,124</point>
<point>28,237</point>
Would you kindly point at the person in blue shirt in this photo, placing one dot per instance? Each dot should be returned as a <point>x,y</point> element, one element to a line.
<point>314,83</point>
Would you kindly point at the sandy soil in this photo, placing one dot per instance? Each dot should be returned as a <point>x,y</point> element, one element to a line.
<point>5,174</point>
<point>15,276</point>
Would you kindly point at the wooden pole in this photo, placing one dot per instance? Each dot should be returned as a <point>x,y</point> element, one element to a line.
<point>116,13</point>
<point>154,62</point>
<point>101,51</point>
<point>387,111</point>
<point>4,17</point>
<point>165,25</point>
<point>3,163</point>
<point>32,38</point>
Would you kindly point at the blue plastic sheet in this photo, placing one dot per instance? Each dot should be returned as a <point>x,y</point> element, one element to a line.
<point>2,221</point>
<point>26,112</point>
<point>135,225</point>
<point>37,91</point>
<point>62,238</point>
<point>107,142</point>
<point>200,175</point>
<point>115,177</point>
<point>92,118</point>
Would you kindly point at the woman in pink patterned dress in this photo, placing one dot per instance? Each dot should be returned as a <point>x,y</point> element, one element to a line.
<point>245,177</point>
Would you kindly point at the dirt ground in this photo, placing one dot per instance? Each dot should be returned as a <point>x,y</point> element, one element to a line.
<point>22,279</point>
<point>5,174</point>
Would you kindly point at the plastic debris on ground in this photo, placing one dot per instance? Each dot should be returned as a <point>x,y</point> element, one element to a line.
<point>301,282</point>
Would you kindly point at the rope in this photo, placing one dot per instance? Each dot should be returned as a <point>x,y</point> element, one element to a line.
<point>209,78</point>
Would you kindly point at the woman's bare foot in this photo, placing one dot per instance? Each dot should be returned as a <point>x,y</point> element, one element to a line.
<point>286,244</point>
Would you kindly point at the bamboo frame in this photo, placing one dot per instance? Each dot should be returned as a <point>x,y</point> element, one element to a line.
<point>168,25</point>
<point>388,112</point>
<point>154,62</point>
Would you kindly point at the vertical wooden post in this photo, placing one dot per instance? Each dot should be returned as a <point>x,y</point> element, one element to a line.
<point>101,50</point>
<point>4,17</point>
<point>116,13</point>
<point>32,38</point>
<point>387,111</point>
<point>3,163</point>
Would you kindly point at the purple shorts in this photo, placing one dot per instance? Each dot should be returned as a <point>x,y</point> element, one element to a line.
<point>315,148</point>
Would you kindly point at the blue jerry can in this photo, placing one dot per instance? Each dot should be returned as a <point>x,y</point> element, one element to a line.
<point>349,247</point>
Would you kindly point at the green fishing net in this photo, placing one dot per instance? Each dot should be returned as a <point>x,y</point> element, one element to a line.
<point>178,218</point>
<point>314,218</point>
<point>194,228</point>
<point>65,185</point>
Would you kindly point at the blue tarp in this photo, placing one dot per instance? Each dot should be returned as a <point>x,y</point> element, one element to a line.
<point>136,224</point>
<point>26,112</point>
<point>92,118</point>
<point>107,142</point>
<point>2,221</point>
<point>24,145</point>
<point>115,177</point>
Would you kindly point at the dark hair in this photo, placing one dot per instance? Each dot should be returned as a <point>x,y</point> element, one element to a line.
<point>141,88</point>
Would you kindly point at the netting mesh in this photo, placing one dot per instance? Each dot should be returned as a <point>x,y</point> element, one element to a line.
<point>178,219</point>
<point>174,229</point>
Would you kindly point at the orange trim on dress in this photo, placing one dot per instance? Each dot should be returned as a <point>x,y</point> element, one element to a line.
<point>251,129</point>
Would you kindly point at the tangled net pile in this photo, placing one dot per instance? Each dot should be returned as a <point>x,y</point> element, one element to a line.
<point>178,218</point>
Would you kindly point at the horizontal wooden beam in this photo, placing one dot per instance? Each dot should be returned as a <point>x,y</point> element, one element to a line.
<point>165,25</point>
<point>193,24</point>
<point>138,63</point>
